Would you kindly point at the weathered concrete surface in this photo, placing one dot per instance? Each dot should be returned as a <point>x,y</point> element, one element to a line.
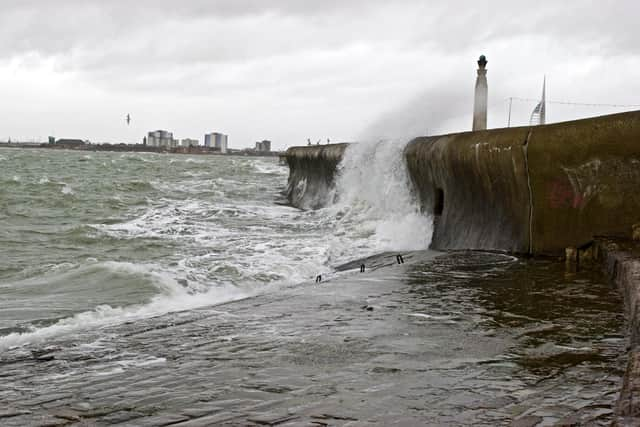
<point>585,177</point>
<point>311,173</point>
<point>622,263</point>
<point>482,176</point>
<point>531,190</point>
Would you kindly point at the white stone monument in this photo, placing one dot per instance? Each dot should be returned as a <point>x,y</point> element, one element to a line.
<point>480,98</point>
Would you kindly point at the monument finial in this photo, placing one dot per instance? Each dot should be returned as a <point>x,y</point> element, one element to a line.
<point>482,61</point>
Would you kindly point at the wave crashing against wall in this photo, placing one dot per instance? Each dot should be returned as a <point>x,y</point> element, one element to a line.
<point>365,189</point>
<point>374,188</point>
<point>531,190</point>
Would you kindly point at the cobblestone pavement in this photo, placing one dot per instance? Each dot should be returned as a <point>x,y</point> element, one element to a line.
<point>429,342</point>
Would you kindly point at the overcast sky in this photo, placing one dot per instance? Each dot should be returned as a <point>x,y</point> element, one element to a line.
<point>288,70</point>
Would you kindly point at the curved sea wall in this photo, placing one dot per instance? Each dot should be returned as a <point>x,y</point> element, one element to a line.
<point>312,170</point>
<point>475,185</point>
<point>530,190</point>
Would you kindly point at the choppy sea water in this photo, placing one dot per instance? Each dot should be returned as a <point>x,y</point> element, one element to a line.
<point>100,238</point>
<point>96,248</point>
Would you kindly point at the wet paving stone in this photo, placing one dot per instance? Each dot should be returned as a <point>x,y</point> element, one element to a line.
<point>449,341</point>
<point>9,413</point>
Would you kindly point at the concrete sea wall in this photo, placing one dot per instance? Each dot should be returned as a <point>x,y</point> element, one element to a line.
<point>528,190</point>
<point>312,170</point>
<point>475,185</point>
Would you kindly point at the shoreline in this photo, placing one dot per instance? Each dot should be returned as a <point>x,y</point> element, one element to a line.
<point>139,148</point>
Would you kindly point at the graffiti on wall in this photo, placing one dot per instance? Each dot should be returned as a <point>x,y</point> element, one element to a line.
<point>606,182</point>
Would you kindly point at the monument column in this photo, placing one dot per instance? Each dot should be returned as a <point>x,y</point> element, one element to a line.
<point>480,98</point>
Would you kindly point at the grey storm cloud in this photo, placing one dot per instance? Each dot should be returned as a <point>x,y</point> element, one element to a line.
<point>93,34</point>
<point>332,64</point>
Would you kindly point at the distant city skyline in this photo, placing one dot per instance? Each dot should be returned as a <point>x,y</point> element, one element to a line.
<point>288,70</point>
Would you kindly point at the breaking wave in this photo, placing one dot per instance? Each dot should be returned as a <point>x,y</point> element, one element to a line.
<point>375,207</point>
<point>205,233</point>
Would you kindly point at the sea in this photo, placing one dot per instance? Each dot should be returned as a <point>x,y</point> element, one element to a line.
<point>117,269</point>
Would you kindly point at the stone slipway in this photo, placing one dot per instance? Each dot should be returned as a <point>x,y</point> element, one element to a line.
<point>392,346</point>
<point>527,190</point>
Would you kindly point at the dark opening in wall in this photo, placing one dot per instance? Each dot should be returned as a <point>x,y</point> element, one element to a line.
<point>439,204</point>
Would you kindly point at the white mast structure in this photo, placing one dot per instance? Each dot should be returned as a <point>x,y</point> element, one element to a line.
<point>538,115</point>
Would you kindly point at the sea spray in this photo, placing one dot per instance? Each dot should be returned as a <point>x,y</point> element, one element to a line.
<point>374,202</point>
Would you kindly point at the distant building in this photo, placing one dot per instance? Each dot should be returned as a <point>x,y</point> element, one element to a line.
<point>161,138</point>
<point>52,140</point>
<point>264,146</point>
<point>188,142</point>
<point>66,141</point>
<point>216,140</point>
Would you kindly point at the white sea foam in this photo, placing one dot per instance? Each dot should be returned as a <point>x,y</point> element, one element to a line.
<point>173,298</point>
<point>268,168</point>
<point>376,209</point>
<point>139,157</point>
<point>244,264</point>
<point>446,319</point>
<point>192,160</point>
<point>124,361</point>
<point>234,242</point>
<point>66,190</point>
